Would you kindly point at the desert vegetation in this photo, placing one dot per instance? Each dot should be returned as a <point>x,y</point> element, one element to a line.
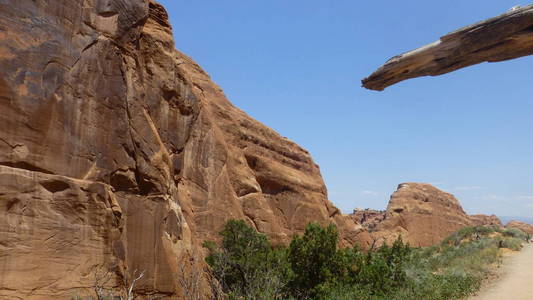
<point>247,266</point>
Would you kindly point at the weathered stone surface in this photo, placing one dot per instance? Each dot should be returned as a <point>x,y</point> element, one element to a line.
<point>368,218</point>
<point>485,220</point>
<point>119,152</point>
<point>54,231</point>
<point>422,214</point>
<point>505,37</point>
<point>525,227</point>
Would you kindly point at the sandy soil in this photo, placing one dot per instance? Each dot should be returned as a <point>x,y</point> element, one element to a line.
<point>516,281</point>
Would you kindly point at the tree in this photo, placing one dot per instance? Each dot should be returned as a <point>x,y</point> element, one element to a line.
<point>245,264</point>
<point>313,259</point>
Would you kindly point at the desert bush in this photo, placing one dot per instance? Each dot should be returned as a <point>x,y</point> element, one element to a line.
<point>315,261</point>
<point>469,233</point>
<point>514,233</point>
<point>246,265</point>
<point>512,243</point>
<point>313,267</point>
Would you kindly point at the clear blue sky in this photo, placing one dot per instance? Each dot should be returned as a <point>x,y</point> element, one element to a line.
<point>296,66</point>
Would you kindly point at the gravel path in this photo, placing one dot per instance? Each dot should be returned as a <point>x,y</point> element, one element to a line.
<point>516,282</point>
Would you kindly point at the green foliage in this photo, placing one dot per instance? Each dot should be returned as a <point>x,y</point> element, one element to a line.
<point>314,260</point>
<point>313,267</point>
<point>381,271</point>
<point>515,233</point>
<point>470,233</point>
<point>246,265</point>
<point>512,243</point>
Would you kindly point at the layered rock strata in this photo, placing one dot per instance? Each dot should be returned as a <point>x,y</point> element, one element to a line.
<point>118,152</point>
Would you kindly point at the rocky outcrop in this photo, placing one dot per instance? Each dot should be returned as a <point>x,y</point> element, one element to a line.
<point>485,220</point>
<point>118,152</point>
<point>368,218</point>
<point>525,227</point>
<point>422,214</point>
<point>505,37</point>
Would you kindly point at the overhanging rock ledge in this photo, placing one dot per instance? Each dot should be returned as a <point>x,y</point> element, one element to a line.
<point>504,37</point>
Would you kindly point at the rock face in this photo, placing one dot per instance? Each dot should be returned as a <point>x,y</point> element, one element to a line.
<point>505,37</point>
<point>422,214</point>
<point>484,220</point>
<point>525,227</point>
<point>118,152</point>
<point>368,218</point>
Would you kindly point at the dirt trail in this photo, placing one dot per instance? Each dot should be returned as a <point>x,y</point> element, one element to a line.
<point>516,282</point>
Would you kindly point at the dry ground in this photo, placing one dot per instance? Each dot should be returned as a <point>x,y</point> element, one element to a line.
<point>516,281</point>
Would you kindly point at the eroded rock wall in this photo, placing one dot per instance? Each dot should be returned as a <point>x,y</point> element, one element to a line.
<point>118,152</point>
<point>422,214</point>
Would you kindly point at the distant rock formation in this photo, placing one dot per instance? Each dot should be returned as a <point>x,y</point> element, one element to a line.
<point>484,220</point>
<point>525,227</point>
<point>505,37</point>
<point>119,152</point>
<point>422,214</point>
<point>368,218</point>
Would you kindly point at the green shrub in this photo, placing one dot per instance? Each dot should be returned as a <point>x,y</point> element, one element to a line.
<point>313,267</point>
<point>315,261</point>
<point>246,265</point>
<point>515,233</point>
<point>469,233</point>
<point>512,243</point>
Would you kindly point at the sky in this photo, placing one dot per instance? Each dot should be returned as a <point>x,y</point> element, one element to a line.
<point>296,66</point>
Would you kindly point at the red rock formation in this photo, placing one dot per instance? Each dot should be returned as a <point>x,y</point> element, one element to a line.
<point>484,220</point>
<point>525,227</point>
<point>504,37</point>
<point>368,218</point>
<point>119,152</point>
<point>422,214</point>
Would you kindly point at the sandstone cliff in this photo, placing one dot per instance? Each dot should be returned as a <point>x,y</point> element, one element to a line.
<point>422,214</point>
<point>119,152</point>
